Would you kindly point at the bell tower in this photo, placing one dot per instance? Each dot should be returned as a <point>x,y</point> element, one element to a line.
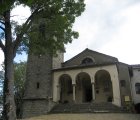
<point>38,85</point>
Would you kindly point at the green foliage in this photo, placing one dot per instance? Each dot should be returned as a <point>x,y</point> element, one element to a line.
<point>47,29</point>
<point>19,76</point>
<point>19,81</point>
<point>6,5</point>
<point>9,4</point>
<point>52,26</point>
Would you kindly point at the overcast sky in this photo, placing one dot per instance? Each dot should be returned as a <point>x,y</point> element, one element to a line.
<point>108,26</point>
<point>111,27</point>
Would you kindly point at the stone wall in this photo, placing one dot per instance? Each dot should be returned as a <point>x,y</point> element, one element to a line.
<point>58,60</point>
<point>38,85</point>
<point>124,75</point>
<point>135,79</point>
<point>36,107</point>
<point>38,78</point>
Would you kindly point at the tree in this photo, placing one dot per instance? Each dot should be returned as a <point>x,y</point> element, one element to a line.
<point>1,84</point>
<point>50,20</point>
<point>19,80</point>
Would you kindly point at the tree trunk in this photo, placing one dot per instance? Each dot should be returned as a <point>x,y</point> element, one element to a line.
<point>8,89</point>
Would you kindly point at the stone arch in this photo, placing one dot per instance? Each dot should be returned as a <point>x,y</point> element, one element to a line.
<point>83,88</point>
<point>103,86</point>
<point>65,86</point>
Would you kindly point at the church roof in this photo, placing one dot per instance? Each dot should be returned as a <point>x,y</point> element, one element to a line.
<point>92,51</point>
<point>135,66</point>
<point>89,57</point>
<point>85,66</point>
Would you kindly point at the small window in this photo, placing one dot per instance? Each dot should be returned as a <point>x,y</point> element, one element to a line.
<point>40,55</point>
<point>123,83</point>
<point>137,87</point>
<point>37,85</point>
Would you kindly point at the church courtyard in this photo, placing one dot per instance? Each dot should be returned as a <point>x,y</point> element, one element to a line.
<point>97,116</point>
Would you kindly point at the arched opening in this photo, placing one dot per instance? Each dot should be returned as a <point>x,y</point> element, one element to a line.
<point>83,88</point>
<point>66,89</point>
<point>103,86</point>
<point>87,61</point>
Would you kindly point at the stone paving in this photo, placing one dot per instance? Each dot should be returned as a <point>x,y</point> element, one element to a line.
<point>97,116</point>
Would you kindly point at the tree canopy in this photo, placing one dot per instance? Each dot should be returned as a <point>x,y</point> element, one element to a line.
<point>48,28</point>
<point>50,23</point>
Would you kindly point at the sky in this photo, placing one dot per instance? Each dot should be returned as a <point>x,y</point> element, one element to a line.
<point>111,27</point>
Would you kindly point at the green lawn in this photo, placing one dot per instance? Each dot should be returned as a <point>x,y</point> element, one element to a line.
<point>97,116</point>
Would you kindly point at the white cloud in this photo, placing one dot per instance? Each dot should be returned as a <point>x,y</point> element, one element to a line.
<point>20,14</point>
<point>111,27</point>
<point>125,43</point>
<point>108,26</point>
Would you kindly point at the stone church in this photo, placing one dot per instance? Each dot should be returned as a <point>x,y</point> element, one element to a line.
<point>89,77</point>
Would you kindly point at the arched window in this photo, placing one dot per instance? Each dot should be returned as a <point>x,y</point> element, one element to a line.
<point>137,87</point>
<point>87,61</point>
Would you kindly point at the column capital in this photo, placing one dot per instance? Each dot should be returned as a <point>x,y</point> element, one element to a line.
<point>73,84</point>
<point>93,83</point>
<point>92,79</point>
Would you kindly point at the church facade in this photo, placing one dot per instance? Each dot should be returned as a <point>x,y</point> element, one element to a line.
<point>89,77</point>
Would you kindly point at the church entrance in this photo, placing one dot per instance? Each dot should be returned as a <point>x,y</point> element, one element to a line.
<point>103,87</point>
<point>88,94</point>
<point>83,88</point>
<point>66,90</point>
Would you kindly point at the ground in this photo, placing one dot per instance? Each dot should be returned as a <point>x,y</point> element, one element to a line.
<point>97,116</point>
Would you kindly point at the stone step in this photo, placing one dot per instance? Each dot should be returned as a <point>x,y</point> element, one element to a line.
<point>87,108</point>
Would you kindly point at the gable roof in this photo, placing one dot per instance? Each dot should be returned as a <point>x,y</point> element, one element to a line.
<point>84,66</point>
<point>91,52</point>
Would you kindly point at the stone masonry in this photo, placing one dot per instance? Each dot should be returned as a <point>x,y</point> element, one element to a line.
<point>38,86</point>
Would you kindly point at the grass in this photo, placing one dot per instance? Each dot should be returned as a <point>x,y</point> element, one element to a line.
<point>97,116</point>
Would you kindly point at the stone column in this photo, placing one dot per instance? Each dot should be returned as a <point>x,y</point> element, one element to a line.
<point>58,92</point>
<point>93,92</point>
<point>74,92</point>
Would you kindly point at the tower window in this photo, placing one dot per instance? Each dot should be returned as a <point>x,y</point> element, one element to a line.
<point>37,85</point>
<point>40,55</point>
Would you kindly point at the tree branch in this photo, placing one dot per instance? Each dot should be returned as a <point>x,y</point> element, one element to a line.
<point>2,22</point>
<point>25,28</point>
<point>2,46</point>
<point>2,28</point>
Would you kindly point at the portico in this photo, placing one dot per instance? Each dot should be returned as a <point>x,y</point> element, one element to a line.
<point>87,84</point>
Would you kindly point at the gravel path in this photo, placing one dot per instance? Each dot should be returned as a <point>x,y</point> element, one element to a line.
<point>97,116</point>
